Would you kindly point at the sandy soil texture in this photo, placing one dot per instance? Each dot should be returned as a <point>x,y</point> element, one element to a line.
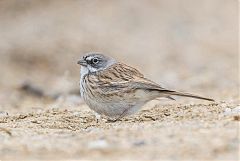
<point>180,131</point>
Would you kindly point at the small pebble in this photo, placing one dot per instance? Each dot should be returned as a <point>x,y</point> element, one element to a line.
<point>3,114</point>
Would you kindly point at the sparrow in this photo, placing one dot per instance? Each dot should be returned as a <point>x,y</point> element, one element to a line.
<point>116,90</point>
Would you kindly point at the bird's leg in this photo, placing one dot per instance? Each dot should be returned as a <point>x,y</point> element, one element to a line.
<point>97,117</point>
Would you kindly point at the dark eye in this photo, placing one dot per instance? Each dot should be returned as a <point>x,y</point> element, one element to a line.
<point>95,60</point>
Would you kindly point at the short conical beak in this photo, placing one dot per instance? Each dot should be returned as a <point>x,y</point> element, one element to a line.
<point>82,62</point>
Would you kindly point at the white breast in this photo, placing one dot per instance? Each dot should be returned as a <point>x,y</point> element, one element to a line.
<point>83,72</point>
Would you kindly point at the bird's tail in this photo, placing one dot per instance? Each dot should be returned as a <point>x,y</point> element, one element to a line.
<point>183,94</point>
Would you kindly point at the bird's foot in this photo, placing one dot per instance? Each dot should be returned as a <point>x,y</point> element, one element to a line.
<point>97,117</point>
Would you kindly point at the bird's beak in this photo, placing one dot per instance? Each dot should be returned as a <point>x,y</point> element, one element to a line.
<point>82,62</point>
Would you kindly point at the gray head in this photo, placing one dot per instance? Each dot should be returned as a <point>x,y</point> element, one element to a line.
<point>94,62</point>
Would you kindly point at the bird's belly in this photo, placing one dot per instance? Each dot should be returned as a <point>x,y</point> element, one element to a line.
<point>113,109</point>
<point>112,105</point>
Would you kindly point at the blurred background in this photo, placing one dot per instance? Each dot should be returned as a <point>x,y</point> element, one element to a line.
<point>187,45</point>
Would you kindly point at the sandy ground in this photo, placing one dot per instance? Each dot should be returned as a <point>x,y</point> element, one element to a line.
<point>169,132</point>
<point>185,45</point>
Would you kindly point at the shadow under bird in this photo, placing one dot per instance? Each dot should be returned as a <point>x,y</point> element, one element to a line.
<point>115,89</point>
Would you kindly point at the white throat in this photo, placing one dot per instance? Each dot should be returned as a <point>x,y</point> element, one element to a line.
<point>83,72</point>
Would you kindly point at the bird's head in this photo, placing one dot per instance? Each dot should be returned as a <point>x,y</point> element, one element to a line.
<point>95,62</point>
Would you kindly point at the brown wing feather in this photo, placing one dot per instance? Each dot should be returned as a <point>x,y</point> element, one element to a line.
<point>121,72</point>
<point>125,78</point>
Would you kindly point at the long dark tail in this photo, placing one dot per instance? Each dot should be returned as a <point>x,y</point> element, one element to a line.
<point>183,94</point>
